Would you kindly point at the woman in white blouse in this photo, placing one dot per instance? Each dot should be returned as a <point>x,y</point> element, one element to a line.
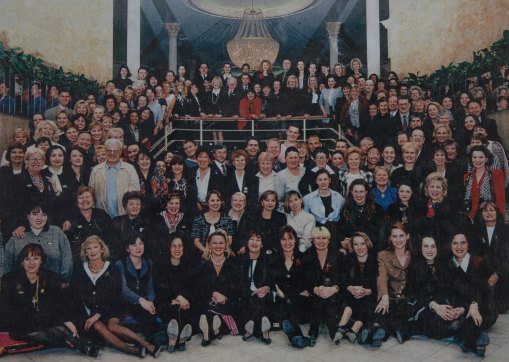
<point>302,221</point>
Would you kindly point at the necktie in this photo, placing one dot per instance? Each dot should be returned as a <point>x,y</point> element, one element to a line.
<point>223,167</point>
<point>404,124</point>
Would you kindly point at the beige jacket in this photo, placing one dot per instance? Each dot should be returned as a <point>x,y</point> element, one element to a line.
<point>127,180</point>
<point>392,277</point>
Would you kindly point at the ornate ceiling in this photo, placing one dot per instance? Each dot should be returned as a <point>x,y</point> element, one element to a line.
<point>235,8</point>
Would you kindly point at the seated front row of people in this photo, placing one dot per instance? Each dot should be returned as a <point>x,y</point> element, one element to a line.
<point>358,297</point>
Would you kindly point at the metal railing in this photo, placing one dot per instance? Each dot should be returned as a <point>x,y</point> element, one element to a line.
<point>202,131</point>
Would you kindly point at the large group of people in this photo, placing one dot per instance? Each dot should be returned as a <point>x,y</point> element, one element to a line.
<point>396,231</point>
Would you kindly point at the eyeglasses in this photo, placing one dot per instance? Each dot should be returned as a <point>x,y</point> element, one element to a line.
<point>321,157</point>
<point>35,160</point>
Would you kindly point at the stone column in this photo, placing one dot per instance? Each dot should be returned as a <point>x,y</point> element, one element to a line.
<point>373,35</point>
<point>333,30</point>
<point>173,31</point>
<point>133,34</point>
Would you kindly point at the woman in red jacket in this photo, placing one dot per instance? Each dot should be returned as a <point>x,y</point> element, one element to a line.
<point>249,108</point>
<point>483,183</point>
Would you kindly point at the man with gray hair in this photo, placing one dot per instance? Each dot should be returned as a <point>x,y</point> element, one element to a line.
<point>112,179</point>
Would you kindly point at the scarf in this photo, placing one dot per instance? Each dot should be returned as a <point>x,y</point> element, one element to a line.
<point>485,193</point>
<point>431,208</point>
<point>172,225</point>
<point>38,183</point>
<point>54,176</point>
<point>159,184</point>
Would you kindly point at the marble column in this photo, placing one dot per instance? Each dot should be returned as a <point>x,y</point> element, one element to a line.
<point>373,35</point>
<point>333,30</point>
<point>133,35</point>
<point>173,31</point>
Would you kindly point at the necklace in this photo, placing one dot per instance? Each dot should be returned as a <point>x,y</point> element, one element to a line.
<point>95,270</point>
<point>218,264</point>
<point>217,98</point>
<point>35,299</point>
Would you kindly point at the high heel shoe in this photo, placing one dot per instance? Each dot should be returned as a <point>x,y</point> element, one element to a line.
<point>340,334</point>
<point>216,324</point>
<point>265,330</point>
<point>352,336</point>
<point>249,327</point>
<point>141,352</point>
<point>204,327</point>
<point>185,335</point>
<point>378,336</point>
<point>156,351</point>
<point>173,332</point>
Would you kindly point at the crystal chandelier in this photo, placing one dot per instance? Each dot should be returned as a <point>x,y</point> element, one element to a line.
<point>253,42</point>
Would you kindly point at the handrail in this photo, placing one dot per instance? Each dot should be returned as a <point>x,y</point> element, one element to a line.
<point>169,139</point>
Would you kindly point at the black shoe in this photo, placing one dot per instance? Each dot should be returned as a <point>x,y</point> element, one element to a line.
<point>141,352</point>
<point>312,341</point>
<point>480,351</point>
<point>288,329</point>
<point>266,340</point>
<point>216,325</point>
<point>156,351</point>
<point>171,348</point>
<point>204,327</point>
<point>185,336</point>
<point>378,336</point>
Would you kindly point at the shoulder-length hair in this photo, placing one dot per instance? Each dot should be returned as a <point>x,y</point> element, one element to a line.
<point>105,255</point>
<point>207,253</point>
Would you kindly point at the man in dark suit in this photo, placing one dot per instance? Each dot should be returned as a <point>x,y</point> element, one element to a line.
<point>287,71</point>
<point>202,75</point>
<point>402,118</point>
<point>219,163</point>
<point>474,107</point>
<point>230,102</point>
<point>245,85</point>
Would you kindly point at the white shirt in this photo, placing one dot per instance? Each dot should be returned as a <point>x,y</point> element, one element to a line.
<point>266,182</point>
<point>464,262</point>
<point>490,230</point>
<point>202,185</point>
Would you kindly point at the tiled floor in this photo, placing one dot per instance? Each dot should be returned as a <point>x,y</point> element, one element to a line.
<point>234,349</point>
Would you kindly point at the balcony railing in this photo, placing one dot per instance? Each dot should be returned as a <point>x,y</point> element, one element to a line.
<point>202,130</point>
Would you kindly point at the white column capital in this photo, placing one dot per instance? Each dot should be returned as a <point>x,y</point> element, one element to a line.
<point>172,29</point>
<point>333,28</point>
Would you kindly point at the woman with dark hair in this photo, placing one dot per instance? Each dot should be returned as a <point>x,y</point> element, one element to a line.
<point>302,221</point>
<point>489,242</point>
<point>360,273</point>
<point>404,209</point>
<point>132,130</point>
<point>289,279</point>
<point>176,219</point>
<point>38,230</point>
<point>110,103</point>
<point>32,306</point>
<point>122,79</point>
<point>15,155</point>
<point>78,162</point>
<point>391,312</point>
<point>323,271</point>
<point>211,220</point>
<point>177,182</point>
<point>60,176</point>
<point>361,213</point>
<point>267,218</point>
<point>85,220</point>
<point>471,292</point>
<point>217,287</point>
<point>264,75</point>
<point>136,275</point>
<point>97,290</point>
<point>146,124</point>
<point>256,301</point>
<point>205,177</point>
<point>428,283</point>
<point>144,167</point>
<point>173,278</point>
<point>483,183</point>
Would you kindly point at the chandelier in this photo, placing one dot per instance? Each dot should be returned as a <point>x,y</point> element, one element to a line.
<point>253,42</point>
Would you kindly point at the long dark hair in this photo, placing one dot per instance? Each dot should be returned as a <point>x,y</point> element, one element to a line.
<point>350,202</point>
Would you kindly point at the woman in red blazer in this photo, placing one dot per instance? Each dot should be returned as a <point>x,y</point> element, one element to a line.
<point>483,183</point>
<point>249,108</point>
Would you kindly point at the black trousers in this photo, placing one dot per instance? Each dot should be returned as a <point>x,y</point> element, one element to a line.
<point>254,309</point>
<point>324,311</point>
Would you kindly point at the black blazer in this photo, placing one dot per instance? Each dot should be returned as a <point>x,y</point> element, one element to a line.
<point>353,276</point>
<point>496,254</point>
<point>428,283</point>
<point>208,282</point>
<point>329,275</point>
<point>261,276</point>
<point>291,282</point>
<point>192,106</point>
<point>230,103</point>
<point>216,180</point>
<point>170,281</point>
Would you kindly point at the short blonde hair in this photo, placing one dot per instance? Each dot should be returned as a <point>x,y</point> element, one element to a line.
<point>33,150</point>
<point>320,231</point>
<point>105,255</point>
<point>265,156</point>
<point>408,145</point>
<point>432,177</point>
<point>43,123</point>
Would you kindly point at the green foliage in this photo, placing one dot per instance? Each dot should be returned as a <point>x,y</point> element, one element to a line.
<point>28,67</point>
<point>455,75</point>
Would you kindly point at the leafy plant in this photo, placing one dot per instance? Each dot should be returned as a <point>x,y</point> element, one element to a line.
<point>28,67</point>
<point>455,75</point>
